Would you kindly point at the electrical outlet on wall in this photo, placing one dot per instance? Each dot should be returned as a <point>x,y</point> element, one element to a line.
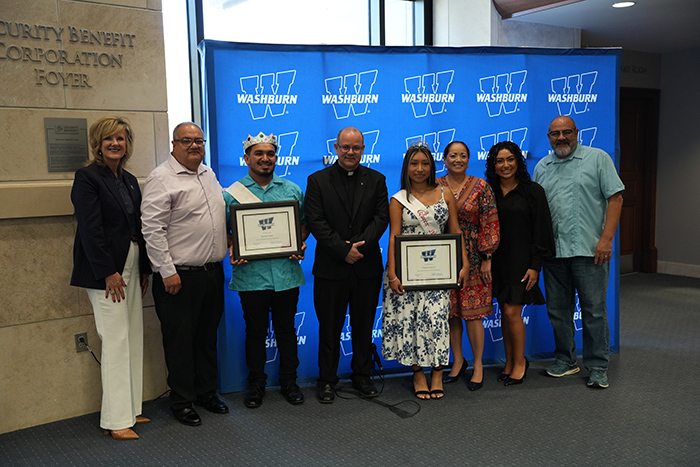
<point>81,342</point>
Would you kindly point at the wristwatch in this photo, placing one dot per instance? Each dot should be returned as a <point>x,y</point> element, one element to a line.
<point>486,257</point>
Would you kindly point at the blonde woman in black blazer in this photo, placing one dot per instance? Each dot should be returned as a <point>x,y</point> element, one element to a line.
<point>109,260</point>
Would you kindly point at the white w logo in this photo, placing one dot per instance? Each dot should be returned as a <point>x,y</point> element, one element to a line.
<point>351,92</point>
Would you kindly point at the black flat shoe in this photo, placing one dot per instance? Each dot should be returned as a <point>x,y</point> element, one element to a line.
<point>292,393</point>
<point>187,416</point>
<point>254,398</point>
<point>366,387</point>
<point>325,393</point>
<point>452,379</point>
<point>213,404</point>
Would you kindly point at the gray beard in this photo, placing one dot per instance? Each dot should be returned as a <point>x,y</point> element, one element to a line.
<point>565,152</point>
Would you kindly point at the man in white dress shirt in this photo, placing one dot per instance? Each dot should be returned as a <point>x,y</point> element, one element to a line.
<point>184,217</point>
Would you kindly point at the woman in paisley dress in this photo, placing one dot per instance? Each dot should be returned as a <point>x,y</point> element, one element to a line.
<point>527,238</point>
<point>478,220</point>
<point>415,329</point>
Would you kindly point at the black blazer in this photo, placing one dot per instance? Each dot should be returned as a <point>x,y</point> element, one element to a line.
<point>333,222</point>
<point>103,237</point>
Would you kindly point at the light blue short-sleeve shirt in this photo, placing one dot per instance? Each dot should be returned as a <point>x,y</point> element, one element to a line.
<point>268,274</point>
<point>577,189</point>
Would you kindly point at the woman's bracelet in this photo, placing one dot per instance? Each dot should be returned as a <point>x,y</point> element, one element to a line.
<point>394,279</point>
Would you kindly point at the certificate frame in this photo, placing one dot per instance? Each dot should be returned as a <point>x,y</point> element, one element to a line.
<point>266,230</point>
<point>428,262</point>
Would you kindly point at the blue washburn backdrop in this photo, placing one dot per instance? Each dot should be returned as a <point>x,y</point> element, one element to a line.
<point>395,95</point>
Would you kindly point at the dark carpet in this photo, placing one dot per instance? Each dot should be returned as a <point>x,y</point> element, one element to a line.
<point>648,416</point>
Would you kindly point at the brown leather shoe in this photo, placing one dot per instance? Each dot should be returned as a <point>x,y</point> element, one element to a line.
<point>141,419</point>
<point>126,433</point>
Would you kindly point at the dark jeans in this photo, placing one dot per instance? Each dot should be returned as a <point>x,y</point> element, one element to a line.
<point>189,322</point>
<point>257,306</point>
<point>563,277</point>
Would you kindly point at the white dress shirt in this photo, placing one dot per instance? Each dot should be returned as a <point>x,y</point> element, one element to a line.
<point>183,217</point>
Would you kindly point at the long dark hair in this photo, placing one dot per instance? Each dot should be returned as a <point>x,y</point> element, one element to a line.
<point>521,175</point>
<point>412,151</point>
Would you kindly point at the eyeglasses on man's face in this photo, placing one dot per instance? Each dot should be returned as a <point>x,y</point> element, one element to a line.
<point>556,133</point>
<point>346,148</point>
<point>188,141</point>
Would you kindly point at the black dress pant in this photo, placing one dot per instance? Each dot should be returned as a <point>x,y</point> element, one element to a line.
<point>189,321</point>
<point>257,307</point>
<point>331,300</point>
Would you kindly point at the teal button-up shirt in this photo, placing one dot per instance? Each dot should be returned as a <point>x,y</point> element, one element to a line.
<point>577,189</point>
<point>268,274</point>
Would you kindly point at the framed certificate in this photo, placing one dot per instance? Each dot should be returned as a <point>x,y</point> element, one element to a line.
<point>266,230</point>
<point>428,261</point>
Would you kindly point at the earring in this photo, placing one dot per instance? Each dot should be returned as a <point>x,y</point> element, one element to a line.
<point>99,152</point>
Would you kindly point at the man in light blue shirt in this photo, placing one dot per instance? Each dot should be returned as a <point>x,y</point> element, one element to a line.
<point>267,286</point>
<point>584,193</point>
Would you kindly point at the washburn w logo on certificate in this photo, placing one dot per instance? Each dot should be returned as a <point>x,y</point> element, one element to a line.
<point>267,94</point>
<point>266,224</point>
<point>573,93</point>
<point>428,255</point>
<point>502,93</point>
<point>428,92</point>
<point>351,94</point>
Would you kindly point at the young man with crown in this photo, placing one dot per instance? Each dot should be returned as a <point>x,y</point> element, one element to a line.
<point>267,286</point>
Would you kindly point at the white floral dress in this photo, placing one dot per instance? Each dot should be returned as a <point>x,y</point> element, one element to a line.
<point>414,326</point>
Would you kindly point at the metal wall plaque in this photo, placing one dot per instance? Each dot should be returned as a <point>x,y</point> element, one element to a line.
<point>66,143</point>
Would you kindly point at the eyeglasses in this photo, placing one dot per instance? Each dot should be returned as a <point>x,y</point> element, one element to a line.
<point>346,148</point>
<point>188,141</point>
<point>555,134</point>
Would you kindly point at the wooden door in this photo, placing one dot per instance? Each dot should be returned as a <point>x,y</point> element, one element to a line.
<point>639,135</point>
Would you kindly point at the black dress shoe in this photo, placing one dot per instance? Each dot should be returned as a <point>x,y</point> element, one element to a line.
<point>292,393</point>
<point>453,379</point>
<point>502,377</point>
<point>366,388</point>
<point>325,393</point>
<point>476,386</point>
<point>513,381</point>
<point>254,398</point>
<point>213,404</point>
<point>187,416</point>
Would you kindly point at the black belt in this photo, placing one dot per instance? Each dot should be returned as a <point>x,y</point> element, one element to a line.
<point>206,267</point>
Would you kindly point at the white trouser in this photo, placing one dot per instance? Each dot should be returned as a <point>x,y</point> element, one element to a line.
<point>120,326</point>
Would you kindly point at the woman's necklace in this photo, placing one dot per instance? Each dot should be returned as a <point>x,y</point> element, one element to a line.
<point>457,191</point>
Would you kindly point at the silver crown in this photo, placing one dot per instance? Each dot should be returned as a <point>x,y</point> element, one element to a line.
<point>260,138</point>
<point>419,143</point>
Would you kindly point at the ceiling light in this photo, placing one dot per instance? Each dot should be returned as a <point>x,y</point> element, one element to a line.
<point>623,4</point>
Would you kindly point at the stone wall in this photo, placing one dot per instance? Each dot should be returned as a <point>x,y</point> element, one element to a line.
<point>66,59</point>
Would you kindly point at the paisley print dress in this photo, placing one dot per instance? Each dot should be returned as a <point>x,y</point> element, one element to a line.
<point>478,220</point>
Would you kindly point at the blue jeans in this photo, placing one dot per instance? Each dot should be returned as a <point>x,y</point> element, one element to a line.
<point>562,278</point>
